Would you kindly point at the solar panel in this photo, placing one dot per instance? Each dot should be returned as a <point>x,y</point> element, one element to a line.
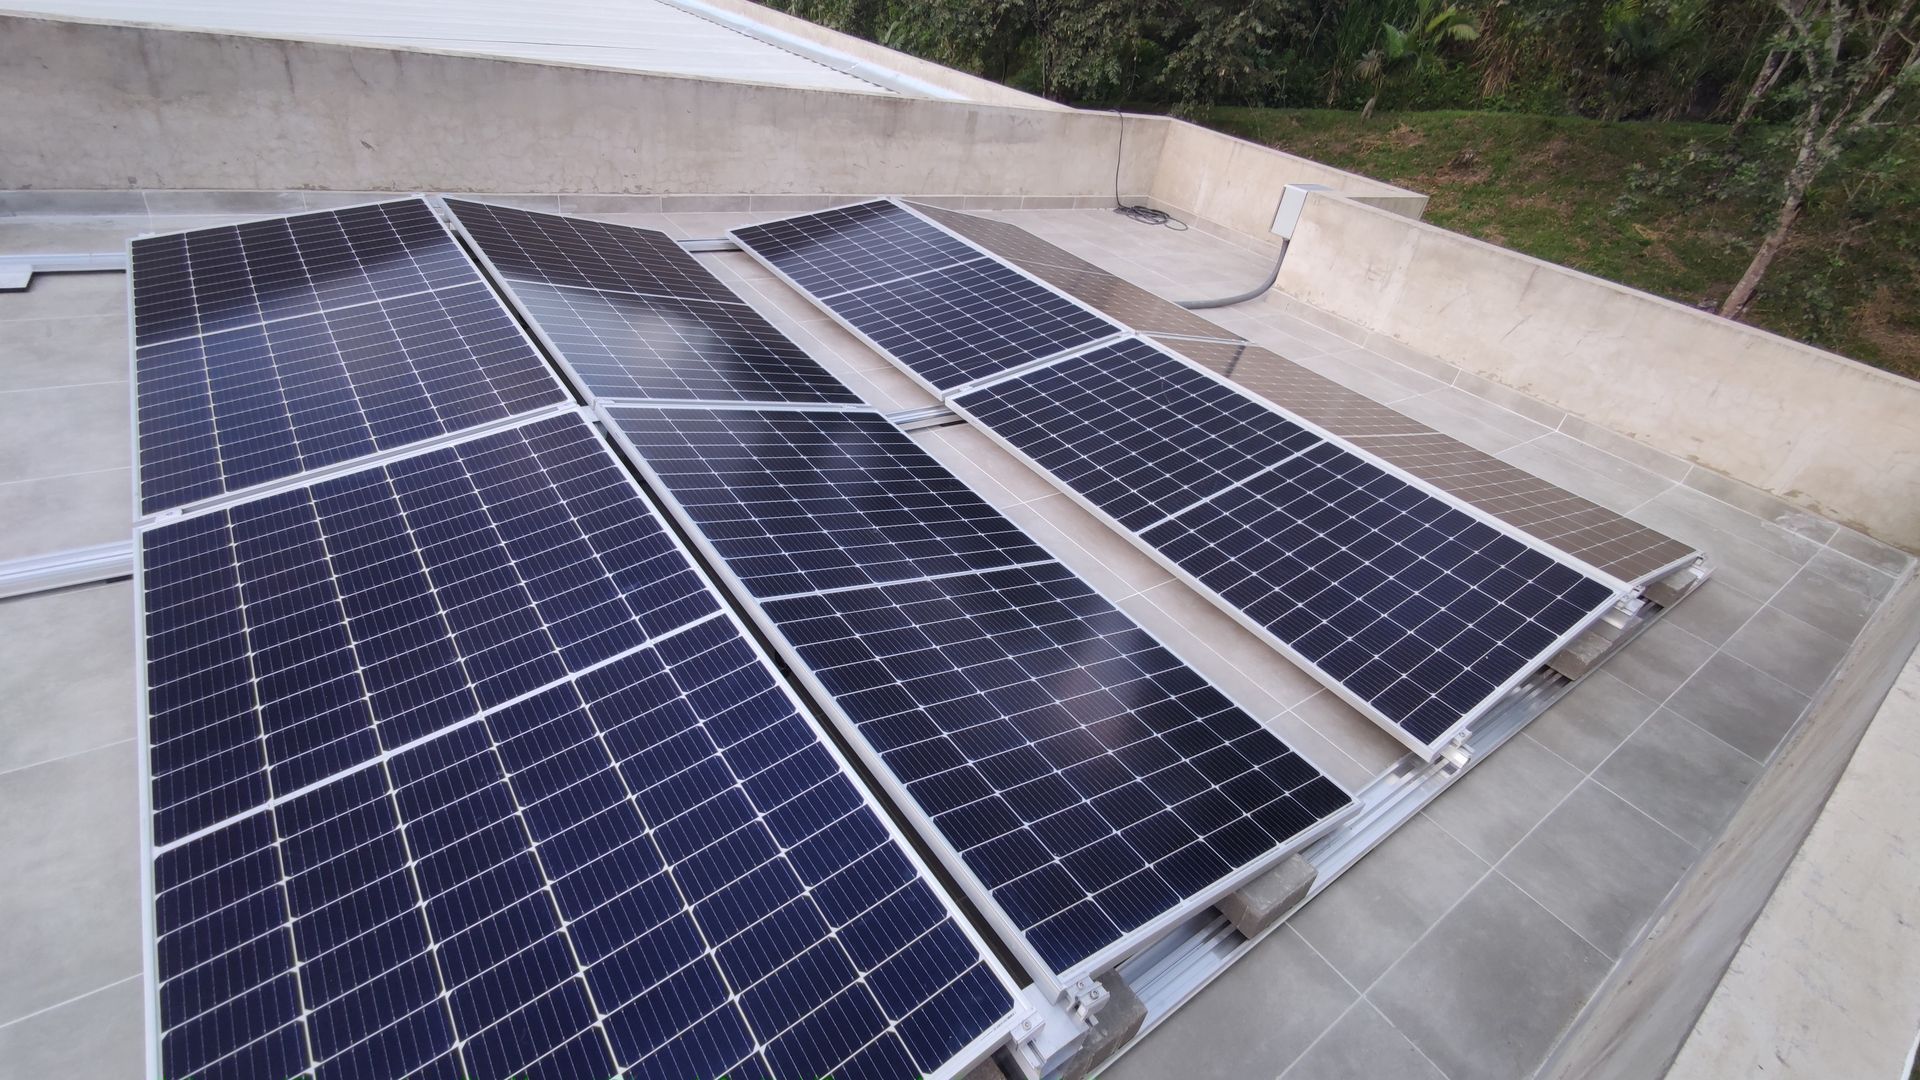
<point>631,315</point>
<point>1413,608</point>
<point>853,247</point>
<point>1089,787</point>
<point>275,347</point>
<point>1078,278</point>
<point>1586,530</point>
<point>928,300</point>
<point>460,769</point>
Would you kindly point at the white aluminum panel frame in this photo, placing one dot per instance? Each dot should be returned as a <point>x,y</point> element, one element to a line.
<point>1053,983</point>
<point>568,399</point>
<point>1619,590</point>
<point>1018,1023</point>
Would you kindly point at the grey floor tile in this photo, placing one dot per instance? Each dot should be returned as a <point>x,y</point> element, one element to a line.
<point>63,431</point>
<point>1592,721</point>
<point>1587,472</point>
<point>1713,611</point>
<point>1680,775</point>
<point>1832,596</point>
<point>52,296</point>
<point>100,1035</point>
<point>62,352</point>
<point>54,235</point>
<point>1746,707</point>
<point>1364,921</point>
<point>1489,990</point>
<point>70,900</point>
<point>44,516</point>
<point>66,680</point>
<point>1745,525</point>
<point>1250,1022</point>
<point>1504,797</point>
<point>1787,649</point>
<point>1661,660</point>
<point>1358,737</point>
<point>1600,865</point>
<point>1363,1046</point>
<point>1749,567</point>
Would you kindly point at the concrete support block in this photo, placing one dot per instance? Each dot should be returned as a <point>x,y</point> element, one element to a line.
<point>1113,1027</point>
<point>1268,898</point>
<point>1586,651</point>
<point>1668,590</point>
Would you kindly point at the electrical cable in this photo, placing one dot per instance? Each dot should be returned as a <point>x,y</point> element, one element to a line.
<point>1145,215</point>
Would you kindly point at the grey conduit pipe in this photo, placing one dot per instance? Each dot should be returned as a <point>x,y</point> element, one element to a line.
<point>1241,298</point>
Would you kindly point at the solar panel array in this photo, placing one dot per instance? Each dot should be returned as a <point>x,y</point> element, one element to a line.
<point>461,769</point>
<point>1417,611</point>
<point>272,348</point>
<point>1088,782</point>
<point>1601,537</point>
<point>632,316</point>
<point>935,304</point>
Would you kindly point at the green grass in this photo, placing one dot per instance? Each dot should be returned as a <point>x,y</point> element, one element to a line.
<point>1658,206</point>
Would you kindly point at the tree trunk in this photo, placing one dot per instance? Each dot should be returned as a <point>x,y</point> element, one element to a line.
<point>1776,62</point>
<point>1736,303</point>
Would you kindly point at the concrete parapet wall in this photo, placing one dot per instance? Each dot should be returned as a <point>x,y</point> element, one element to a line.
<point>1816,429</point>
<point>92,105</point>
<point>1237,184</point>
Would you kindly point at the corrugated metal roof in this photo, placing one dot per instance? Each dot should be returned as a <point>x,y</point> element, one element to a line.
<point>638,35</point>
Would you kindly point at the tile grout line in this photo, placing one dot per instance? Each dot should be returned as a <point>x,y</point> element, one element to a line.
<point>10,770</point>
<point>43,1010</point>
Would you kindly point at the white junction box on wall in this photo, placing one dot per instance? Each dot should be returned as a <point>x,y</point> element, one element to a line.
<point>1292,201</point>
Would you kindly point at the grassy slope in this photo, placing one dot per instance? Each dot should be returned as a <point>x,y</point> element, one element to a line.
<point>1568,189</point>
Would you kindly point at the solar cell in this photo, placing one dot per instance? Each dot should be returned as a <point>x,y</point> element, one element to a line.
<point>1089,785</point>
<point>631,315</point>
<point>1584,529</point>
<point>936,305</point>
<point>1413,608</point>
<point>275,347</point>
<point>518,799</point>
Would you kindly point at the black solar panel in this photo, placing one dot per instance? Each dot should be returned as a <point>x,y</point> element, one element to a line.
<point>797,502</point>
<point>1408,604</point>
<point>633,316</point>
<point>1089,781</point>
<point>516,798</point>
<point>943,309</point>
<point>852,247</point>
<point>268,349</point>
<point>525,245</point>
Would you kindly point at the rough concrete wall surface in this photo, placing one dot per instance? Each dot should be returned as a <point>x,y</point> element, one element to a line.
<point>1827,983</point>
<point>87,105</point>
<point>1238,184</point>
<point>1816,429</point>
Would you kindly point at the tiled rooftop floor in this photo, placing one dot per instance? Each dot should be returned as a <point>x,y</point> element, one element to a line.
<point>1460,948</point>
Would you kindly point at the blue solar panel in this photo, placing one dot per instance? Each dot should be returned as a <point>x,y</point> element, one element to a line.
<point>941,308</point>
<point>1087,780</point>
<point>268,349</point>
<point>632,316</point>
<point>852,247</point>
<point>797,502</point>
<point>1408,603</point>
<point>461,770</point>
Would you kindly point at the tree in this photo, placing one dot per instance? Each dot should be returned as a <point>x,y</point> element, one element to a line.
<point>1432,28</point>
<point>1855,60</point>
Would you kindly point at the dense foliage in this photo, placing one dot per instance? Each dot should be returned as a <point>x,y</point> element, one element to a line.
<point>1604,58</point>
